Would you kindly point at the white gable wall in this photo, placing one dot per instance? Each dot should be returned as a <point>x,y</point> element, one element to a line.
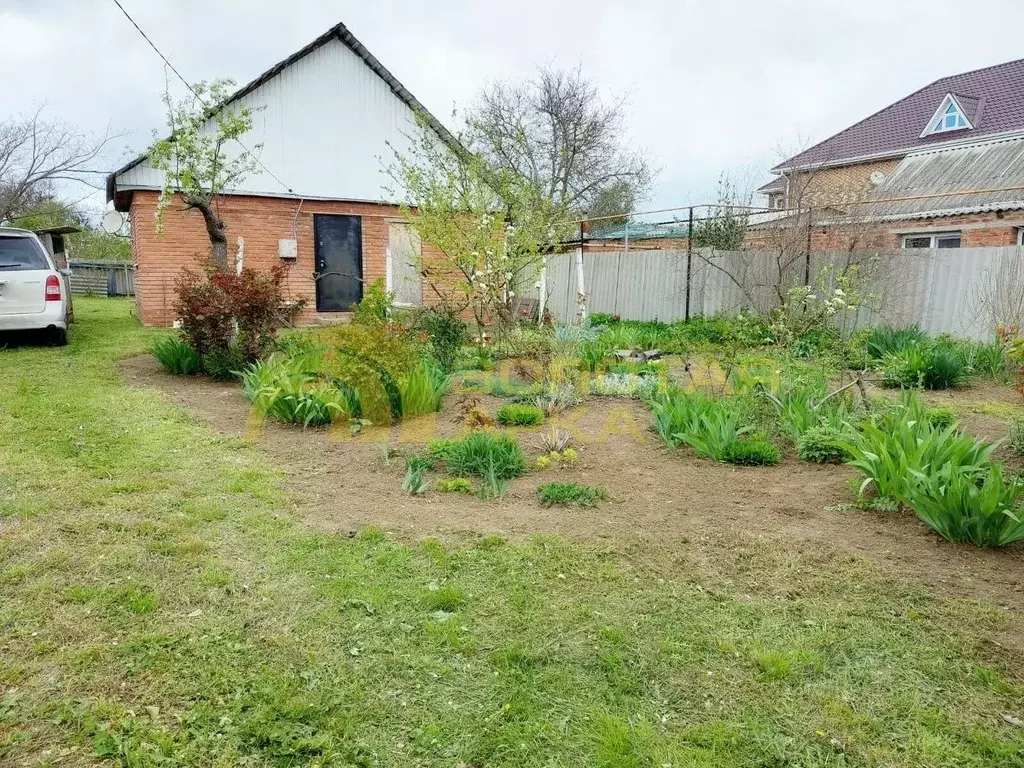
<point>324,123</point>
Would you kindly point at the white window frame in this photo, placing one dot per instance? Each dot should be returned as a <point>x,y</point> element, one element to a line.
<point>933,238</point>
<point>1020,235</point>
<point>934,125</point>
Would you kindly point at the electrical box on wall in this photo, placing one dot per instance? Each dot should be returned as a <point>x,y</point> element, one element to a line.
<point>288,249</point>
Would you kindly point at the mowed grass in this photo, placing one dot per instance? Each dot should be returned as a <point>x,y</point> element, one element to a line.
<point>161,604</point>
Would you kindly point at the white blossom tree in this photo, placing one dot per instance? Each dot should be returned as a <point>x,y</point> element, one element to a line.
<point>488,227</point>
<point>202,157</point>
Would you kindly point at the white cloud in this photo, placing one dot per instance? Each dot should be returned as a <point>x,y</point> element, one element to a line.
<point>713,87</point>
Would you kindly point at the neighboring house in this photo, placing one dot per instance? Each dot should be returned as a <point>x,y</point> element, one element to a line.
<point>637,236</point>
<point>775,191</point>
<point>940,168</point>
<point>325,118</point>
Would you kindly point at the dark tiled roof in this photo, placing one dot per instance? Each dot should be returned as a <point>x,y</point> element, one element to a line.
<point>778,184</point>
<point>992,99</point>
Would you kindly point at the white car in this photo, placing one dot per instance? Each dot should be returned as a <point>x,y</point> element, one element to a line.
<point>34,296</point>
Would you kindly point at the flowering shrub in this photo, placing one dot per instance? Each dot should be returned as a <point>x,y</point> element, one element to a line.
<point>231,315</point>
<point>814,317</point>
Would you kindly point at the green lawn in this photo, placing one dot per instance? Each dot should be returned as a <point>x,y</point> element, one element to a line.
<point>162,604</point>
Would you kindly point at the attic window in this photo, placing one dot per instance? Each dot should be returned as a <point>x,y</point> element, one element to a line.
<point>948,117</point>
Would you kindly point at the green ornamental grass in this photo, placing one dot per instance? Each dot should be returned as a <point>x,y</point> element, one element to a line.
<point>963,505</point>
<point>926,364</point>
<point>884,340</point>
<point>481,454</point>
<point>519,415</point>
<point>901,442</point>
<point>752,453</point>
<point>286,389</point>
<point>178,356</point>
<point>570,494</point>
<point>707,424</point>
<point>423,389</point>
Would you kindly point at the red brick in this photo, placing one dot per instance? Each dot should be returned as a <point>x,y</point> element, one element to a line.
<point>261,222</point>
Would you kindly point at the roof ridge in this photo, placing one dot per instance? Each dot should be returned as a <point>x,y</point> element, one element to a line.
<point>851,127</point>
<point>981,142</point>
<point>943,81</point>
<point>974,71</point>
<point>342,34</point>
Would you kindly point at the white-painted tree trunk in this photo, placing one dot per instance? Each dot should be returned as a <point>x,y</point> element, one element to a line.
<point>581,288</point>
<point>240,257</point>
<point>542,290</point>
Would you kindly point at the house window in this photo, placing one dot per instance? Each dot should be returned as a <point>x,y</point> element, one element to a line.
<point>948,117</point>
<point>1020,235</point>
<point>937,240</point>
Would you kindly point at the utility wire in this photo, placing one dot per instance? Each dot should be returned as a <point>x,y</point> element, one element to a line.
<point>193,90</point>
<point>153,46</point>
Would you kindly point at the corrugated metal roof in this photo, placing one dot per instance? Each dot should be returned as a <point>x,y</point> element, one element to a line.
<point>947,182</point>
<point>639,230</point>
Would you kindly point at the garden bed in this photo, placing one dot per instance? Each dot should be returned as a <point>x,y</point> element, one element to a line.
<point>662,496</point>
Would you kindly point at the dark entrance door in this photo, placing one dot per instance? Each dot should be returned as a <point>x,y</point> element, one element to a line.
<point>339,262</point>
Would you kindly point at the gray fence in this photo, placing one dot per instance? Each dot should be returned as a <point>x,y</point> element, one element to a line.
<point>964,291</point>
<point>105,278</point>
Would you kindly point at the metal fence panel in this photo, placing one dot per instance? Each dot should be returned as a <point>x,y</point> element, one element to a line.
<point>939,290</point>
<point>102,278</point>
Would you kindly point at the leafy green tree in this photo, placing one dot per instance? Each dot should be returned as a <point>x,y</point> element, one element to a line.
<point>87,245</point>
<point>202,157</point>
<point>97,245</point>
<point>725,226</point>
<point>48,212</point>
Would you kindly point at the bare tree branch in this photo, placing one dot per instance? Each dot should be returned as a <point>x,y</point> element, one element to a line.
<point>36,154</point>
<point>558,132</point>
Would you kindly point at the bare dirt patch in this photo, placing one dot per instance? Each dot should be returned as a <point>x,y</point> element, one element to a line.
<point>655,494</point>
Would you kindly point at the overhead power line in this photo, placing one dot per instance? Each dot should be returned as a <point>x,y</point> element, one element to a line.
<point>153,46</point>
<point>189,85</point>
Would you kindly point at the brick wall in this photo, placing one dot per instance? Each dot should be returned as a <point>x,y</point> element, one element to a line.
<point>888,235</point>
<point>980,230</point>
<point>836,186</point>
<point>648,244</point>
<point>261,221</point>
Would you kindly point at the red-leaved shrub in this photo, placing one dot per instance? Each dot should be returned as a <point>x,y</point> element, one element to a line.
<point>226,315</point>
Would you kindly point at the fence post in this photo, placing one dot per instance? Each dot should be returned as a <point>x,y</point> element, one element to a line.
<point>807,256</point>
<point>689,263</point>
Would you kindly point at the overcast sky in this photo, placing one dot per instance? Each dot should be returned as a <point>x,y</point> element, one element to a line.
<point>715,86</point>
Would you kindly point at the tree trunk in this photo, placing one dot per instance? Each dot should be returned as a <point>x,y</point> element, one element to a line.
<point>214,228</point>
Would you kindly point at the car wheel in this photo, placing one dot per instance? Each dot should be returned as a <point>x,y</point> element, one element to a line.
<point>59,337</point>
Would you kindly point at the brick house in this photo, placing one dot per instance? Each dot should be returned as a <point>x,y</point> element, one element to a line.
<point>326,118</point>
<point>940,168</point>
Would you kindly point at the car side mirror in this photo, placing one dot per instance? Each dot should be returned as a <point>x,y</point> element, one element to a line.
<point>66,271</point>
